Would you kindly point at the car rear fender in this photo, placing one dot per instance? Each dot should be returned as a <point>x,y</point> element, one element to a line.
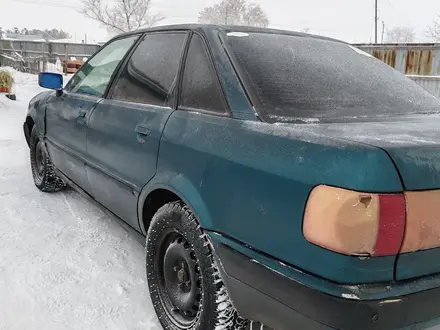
<point>251,181</point>
<point>183,188</point>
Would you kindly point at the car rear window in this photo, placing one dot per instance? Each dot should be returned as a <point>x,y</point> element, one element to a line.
<point>306,79</point>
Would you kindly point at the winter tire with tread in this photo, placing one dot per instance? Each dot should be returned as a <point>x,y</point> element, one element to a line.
<point>43,173</point>
<point>184,281</point>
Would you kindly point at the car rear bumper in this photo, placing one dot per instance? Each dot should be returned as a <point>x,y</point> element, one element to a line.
<point>262,294</point>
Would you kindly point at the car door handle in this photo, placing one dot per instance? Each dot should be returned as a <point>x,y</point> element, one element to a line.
<point>80,118</point>
<point>82,114</point>
<point>142,131</point>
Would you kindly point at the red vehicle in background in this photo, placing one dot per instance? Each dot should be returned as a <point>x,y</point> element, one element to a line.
<point>71,66</point>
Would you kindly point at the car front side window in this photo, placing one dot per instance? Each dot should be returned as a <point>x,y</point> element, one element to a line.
<point>95,75</point>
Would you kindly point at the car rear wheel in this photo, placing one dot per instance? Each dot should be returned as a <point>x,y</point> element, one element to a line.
<point>42,169</point>
<point>183,278</point>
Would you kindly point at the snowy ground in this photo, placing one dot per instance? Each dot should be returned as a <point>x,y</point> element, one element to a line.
<point>63,263</point>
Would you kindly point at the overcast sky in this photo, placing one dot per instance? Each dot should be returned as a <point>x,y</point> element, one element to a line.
<point>349,20</point>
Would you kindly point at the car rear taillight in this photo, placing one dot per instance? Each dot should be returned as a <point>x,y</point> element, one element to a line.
<point>422,221</point>
<point>355,223</point>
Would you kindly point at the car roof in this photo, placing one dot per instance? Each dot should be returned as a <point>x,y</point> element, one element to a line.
<point>235,28</point>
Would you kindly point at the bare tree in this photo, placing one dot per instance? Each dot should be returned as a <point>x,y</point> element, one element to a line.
<point>121,15</point>
<point>234,12</point>
<point>433,30</point>
<point>401,35</point>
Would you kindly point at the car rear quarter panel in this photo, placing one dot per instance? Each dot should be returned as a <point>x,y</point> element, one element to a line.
<point>250,181</point>
<point>234,92</point>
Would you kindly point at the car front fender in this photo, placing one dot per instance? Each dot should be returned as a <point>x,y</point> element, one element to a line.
<point>37,111</point>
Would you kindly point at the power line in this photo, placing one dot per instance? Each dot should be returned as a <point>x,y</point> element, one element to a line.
<point>397,10</point>
<point>45,3</point>
<point>54,4</point>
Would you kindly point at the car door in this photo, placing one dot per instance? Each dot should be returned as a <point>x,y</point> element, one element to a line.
<point>193,141</point>
<point>124,130</point>
<point>66,115</point>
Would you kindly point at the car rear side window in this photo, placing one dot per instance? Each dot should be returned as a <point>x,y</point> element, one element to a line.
<point>200,86</point>
<point>151,73</point>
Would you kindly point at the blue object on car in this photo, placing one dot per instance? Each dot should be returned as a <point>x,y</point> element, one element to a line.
<point>50,80</point>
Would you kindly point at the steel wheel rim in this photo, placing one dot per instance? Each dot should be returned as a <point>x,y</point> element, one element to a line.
<point>179,279</point>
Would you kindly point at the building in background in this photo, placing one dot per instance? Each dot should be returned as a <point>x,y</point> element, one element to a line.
<point>410,59</point>
<point>33,54</point>
<point>420,62</point>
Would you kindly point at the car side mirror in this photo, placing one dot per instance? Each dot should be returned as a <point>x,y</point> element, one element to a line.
<point>51,81</point>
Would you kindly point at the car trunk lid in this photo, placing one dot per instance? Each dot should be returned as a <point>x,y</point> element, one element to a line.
<point>413,143</point>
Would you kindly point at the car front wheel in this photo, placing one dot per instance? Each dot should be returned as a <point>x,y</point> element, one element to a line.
<point>184,281</point>
<point>42,169</point>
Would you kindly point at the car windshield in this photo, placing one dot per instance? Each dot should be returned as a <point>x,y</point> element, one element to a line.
<point>307,79</point>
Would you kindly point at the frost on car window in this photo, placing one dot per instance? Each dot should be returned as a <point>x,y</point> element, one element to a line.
<point>281,119</point>
<point>238,34</point>
<point>151,72</point>
<point>296,77</point>
<point>200,88</point>
<point>361,52</point>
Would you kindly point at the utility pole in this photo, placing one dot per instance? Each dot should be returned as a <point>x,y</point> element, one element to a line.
<point>383,30</point>
<point>375,21</point>
<point>44,57</point>
<point>226,17</point>
<point>65,59</point>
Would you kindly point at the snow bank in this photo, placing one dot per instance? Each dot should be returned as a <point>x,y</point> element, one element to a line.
<point>21,78</point>
<point>56,67</point>
<point>63,263</point>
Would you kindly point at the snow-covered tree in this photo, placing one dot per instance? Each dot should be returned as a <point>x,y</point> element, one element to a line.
<point>47,34</point>
<point>433,30</point>
<point>121,15</point>
<point>234,12</point>
<point>401,35</point>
